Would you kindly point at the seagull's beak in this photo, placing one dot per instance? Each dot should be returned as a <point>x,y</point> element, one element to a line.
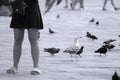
<point>80,37</point>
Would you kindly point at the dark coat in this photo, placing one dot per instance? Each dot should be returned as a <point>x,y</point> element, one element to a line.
<point>31,19</point>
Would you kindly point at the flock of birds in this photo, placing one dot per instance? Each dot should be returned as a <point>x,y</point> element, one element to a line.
<point>77,50</point>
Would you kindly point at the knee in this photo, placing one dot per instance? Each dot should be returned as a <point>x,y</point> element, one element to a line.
<point>18,40</point>
<point>33,41</point>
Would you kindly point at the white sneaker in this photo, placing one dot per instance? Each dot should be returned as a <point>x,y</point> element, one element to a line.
<point>35,71</point>
<point>12,70</point>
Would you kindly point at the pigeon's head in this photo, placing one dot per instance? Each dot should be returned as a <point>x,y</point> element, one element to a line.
<point>88,33</point>
<point>118,35</point>
<point>82,46</point>
<point>104,46</point>
<point>58,50</point>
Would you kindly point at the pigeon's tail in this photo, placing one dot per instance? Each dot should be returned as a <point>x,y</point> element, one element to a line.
<point>95,38</point>
<point>65,51</point>
<point>45,50</point>
<point>96,51</point>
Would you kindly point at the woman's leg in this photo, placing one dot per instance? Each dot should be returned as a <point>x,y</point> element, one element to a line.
<point>47,3</point>
<point>50,6</point>
<point>17,48</point>
<point>82,4</point>
<point>66,4</point>
<point>105,2</point>
<point>73,4</point>
<point>115,8</point>
<point>33,38</point>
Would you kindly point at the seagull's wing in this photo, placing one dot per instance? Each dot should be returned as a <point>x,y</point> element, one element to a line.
<point>72,49</point>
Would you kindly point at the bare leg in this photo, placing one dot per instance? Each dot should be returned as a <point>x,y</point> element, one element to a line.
<point>66,4</point>
<point>73,4</point>
<point>33,38</point>
<point>47,3</point>
<point>17,48</point>
<point>105,2</point>
<point>115,8</point>
<point>50,6</point>
<point>82,4</point>
<point>112,3</point>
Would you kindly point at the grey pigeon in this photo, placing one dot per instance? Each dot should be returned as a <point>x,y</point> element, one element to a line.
<point>91,36</point>
<point>109,41</point>
<point>52,51</point>
<point>109,46</point>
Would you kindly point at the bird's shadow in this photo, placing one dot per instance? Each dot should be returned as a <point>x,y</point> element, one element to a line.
<point>49,56</point>
<point>101,55</point>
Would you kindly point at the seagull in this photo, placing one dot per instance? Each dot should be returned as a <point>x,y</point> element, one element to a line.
<point>92,20</point>
<point>73,49</point>
<point>109,41</point>
<point>79,52</point>
<point>52,51</point>
<point>115,76</point>
<point>102,50</point>
<point>51,31</point>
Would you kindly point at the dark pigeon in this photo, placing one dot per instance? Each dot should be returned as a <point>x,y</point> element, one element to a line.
<point>102,50</point>
<point>80,51</point>
<point>92,20</point>
<point>51,31</point>
<point>115,76</point>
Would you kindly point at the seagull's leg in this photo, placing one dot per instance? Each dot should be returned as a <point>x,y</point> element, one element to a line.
<point>105,54</point>
<point>100,54</point>
<point>71,56</point>
<point>76,57</point>
<point>80,55</point>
